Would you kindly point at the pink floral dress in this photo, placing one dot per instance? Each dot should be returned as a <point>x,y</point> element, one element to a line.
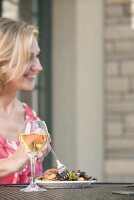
<point>7,148</point>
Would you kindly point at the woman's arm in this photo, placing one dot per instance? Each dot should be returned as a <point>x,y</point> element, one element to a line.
<point>14,163</point>
<point>19,160</point>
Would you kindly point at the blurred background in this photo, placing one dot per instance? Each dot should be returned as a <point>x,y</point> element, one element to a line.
<point>86,90</point>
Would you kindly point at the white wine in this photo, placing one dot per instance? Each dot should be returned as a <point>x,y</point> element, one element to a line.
<point>33,136</point>
<point>33,143</point>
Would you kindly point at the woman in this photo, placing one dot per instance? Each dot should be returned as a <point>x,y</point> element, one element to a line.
<point>19,66</point>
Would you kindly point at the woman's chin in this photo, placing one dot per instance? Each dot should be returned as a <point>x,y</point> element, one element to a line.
<point>29,87</point>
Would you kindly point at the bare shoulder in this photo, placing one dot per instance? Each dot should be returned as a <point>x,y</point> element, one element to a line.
<point>15,120</point>
<point>19,111</point>
<point>19,106</point>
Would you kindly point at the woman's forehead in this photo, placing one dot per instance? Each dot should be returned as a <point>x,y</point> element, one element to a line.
<point>35,47</point>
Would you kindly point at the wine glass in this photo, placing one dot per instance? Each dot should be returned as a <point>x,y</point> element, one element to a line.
<point>33,136</point>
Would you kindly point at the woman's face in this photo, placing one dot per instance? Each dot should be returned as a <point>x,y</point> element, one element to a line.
<point>27,80</point>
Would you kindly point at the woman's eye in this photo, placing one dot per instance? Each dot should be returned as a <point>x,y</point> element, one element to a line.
<point>34,56</point>
<point>31,57</point>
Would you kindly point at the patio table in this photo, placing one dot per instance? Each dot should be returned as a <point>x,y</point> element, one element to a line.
<point>96,191</point>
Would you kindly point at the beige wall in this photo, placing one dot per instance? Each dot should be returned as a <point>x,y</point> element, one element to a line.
<point>64,80</point>
<point>119,76</point>
<point>78,84</point>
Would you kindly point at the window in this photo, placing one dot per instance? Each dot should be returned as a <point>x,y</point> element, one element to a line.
<point>10,8</point>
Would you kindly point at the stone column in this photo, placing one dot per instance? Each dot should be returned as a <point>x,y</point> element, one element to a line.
<point>77,84</point>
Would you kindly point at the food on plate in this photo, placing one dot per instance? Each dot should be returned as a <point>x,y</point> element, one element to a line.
<point>53,175</point>
<point>50,174</point>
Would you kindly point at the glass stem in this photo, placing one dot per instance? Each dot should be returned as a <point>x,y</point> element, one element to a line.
<point>33,164</point>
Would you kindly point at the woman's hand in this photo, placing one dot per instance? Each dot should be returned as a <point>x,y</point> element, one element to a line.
<point>19,159</point>
<point>45,151</point>
<point>14,163</point>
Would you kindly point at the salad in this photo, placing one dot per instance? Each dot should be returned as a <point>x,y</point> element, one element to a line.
<point>53,175</point>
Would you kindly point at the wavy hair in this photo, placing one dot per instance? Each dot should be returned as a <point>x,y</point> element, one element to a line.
<point>15,44</point>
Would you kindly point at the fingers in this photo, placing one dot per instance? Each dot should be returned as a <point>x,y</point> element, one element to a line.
<point>44,152</point>
<point>49,138</point>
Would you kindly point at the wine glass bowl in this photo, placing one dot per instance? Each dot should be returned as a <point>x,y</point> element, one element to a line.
<point>33,137</point>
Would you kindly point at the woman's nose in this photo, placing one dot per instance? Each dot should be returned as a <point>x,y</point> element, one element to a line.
<point>36,65</point>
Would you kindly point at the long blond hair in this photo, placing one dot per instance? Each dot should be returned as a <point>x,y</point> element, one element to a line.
<point>15,44</point>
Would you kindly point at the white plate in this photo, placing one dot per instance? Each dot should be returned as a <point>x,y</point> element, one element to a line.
<point>64,184</point>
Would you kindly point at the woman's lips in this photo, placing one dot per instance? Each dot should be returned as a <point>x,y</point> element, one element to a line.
<point>29,77</point>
